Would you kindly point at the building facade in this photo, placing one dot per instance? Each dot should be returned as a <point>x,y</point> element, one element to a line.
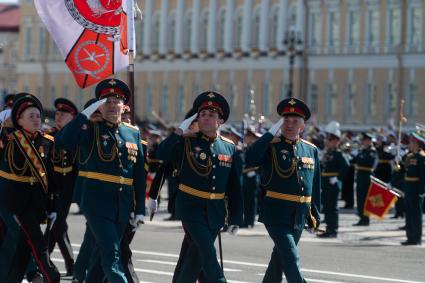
<point>9,33</point>
<point>356,58</point>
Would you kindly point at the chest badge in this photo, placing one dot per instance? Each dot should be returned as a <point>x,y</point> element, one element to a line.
<point>203,156</point>
<point>105,139</point>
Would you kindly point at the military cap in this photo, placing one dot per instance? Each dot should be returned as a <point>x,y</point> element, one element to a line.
<point>214,100</point>
<point>21,102</point>
<point>65,105</point>
<point>293,106</point>
<point>90,102</point>
<point>8,100</point>
<point>368,135</point>
<point>113,87</point>
<point>419,134</point>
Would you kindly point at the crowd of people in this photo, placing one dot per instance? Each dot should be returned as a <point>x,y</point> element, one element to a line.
<point>219,177</point>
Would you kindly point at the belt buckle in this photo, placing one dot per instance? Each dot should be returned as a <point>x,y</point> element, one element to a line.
<point>32,180</point>
<point>302,199</point>
<point>212,196</point>
<point>121,180</point>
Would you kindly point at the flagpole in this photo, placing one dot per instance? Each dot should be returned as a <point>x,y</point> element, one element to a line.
<point>131,47</point>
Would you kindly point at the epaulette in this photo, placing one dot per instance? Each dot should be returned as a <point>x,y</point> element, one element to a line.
<point>275,140</point>
<point>189,135</point>
<point>144,142</point>
<point>309,143</point>
<point>131,126</point>
<point>49,137</point>
<point>227,140</point>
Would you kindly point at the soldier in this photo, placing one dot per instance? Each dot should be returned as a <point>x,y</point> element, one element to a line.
<point>250,183</point>
<point>65,174</point>
<point>384,169</point>
<point>114,177</point>
<point>290,171</point>
<point>209,169</point>
<point>26,178</point>
<point>415,186</point>
<point>365,163</point>
<point>334,165</point>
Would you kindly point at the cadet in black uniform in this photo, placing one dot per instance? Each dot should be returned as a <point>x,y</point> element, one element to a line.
<point>26,177</point>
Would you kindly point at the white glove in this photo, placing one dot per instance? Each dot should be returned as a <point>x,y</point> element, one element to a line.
<point>52,217</point>
<point>152,205</point>
<point>135,221</point>
<point>233,230</point>
<point>186,123</point>
<point>92,108</point>
<point>4,115</point>
<point>276,127</point>
<point>333,180</point>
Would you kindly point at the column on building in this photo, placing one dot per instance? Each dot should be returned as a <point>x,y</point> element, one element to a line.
<point>283,22</point>
<point>194,41</point>
<point>163,27</point>
<point>228,39</point>
<point>246,26</point>
<point>147,46</point>
<point>211,45</point>
<point>264,22</point>
<point>178,40</point>
<point>300,19</point>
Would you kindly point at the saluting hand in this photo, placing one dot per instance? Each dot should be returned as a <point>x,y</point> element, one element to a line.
<point>186,123</point>
<point>276,127</point>
<point>4,115</point>
<point>92,108</point>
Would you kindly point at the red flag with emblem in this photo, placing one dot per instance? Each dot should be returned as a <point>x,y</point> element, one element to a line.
<point>91,35</point>
<point>380,198</point>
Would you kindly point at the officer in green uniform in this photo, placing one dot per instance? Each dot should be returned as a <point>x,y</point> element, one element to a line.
<point>290,174</point>
<point>333,165</point>
<point>65,173</point>
<point>365,163</point>
<point>414,181</point>
<point>114,178</point>
<point>26,180</point>
<point>209,169</point>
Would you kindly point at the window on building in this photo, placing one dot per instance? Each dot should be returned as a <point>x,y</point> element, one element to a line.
<point>332,104</point>
<point>237,29</point>
<point>284,88</point>
<point>391,98</point>
<point>155,31</point>
<point>171,38</point>
<point>266,98</point>
<point>181,105</point>
<point>139,35</point>
<point>187,31</point>
<point>233,97</point>
<point>164,100</point>
<point>255,38</point>
<point>247,99</point>
<point>293,15</point>
<point>394,26</point>
<point>351,104</point>
<point>52,93</point>
<point>148,98</point>
<point>42,36</point>
<point>273,27</point>
<point>371,99</point>
<point>333,30</point>
<point>28,42</point>
<point>221,28</point>
<point>65,91</point>
<point>353,28</point>
<point>416,26</point>
<point>373,28</point>
<point>314,98</point>
<point>413,108</point>
<point>316,29</point>
<point>204,31</point>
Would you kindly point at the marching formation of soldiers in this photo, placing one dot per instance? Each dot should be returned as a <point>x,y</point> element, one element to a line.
<point>219,178</point>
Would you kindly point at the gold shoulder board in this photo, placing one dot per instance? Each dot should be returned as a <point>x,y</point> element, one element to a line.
<point>309,143</point>
<point>131,126</point>
<point>49,137</point>
<point>227,140</point>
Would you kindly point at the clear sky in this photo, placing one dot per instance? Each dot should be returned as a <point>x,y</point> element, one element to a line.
<point>8,1</point>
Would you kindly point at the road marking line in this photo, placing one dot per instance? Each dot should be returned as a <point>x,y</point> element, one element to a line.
<point>302,269</point>
<point>173,263</point>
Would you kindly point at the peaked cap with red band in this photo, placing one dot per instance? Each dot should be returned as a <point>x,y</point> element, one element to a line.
<point>21,102</point>
<point>214,100</point>
<point>293,106</point>
<point>113,87</point>
<point>419,134</point>
<point>65,105</point>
